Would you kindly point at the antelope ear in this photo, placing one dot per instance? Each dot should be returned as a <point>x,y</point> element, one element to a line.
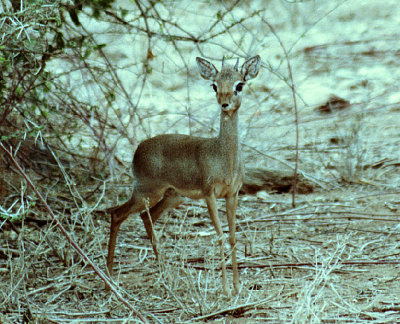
<point>250,68</point>
<point>207,70</point>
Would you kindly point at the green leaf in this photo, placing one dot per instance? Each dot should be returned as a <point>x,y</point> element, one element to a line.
<point>124,12</point>
<point>87,53</point>
<point>111,96</point>
<point>99,46</point>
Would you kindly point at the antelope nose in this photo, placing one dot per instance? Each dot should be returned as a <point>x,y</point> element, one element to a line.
<point>225,105</point>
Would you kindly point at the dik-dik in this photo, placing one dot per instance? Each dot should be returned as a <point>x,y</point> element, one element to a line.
<point>167,168</point>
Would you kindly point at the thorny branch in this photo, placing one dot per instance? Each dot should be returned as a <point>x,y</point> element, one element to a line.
<point>296,113</point>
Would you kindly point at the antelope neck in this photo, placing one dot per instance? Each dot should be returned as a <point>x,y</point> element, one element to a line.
<point>228,136</point>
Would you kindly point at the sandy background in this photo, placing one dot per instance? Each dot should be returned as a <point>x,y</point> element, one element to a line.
<point>332,258</point>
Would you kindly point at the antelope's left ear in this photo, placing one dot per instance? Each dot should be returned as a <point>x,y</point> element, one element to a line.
<point>250,68</point>
<point>207,70</point>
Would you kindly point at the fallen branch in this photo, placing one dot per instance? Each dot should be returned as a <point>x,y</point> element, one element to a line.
<point>257,179</point>
<point>303,264</point>
<point>317,264</point>
<point>234,311</point>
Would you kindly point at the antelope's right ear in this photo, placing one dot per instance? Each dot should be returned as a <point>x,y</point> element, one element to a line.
<point>207,70</point>
<point>251,67</point>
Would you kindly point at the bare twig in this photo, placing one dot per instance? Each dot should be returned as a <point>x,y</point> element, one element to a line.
<point>296,113</point>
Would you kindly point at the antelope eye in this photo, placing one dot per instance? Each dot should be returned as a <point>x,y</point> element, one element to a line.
<point>239,87</point>
<point>214,86</point>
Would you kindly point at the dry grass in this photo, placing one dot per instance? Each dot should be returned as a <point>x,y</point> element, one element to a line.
<point>327,260</point>
<point>335,257</point>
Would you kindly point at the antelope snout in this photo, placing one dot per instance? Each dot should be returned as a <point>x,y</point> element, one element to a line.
<point>226,103</point>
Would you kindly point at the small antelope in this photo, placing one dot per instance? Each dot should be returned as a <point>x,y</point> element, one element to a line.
<point>167,168</point>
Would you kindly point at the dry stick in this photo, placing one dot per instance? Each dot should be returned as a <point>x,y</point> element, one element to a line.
<point>304,264</point>
<point>71,241</point>
<point>234,310</point>
<point>311,264</point>
<point>346,213</point>
<point>292,87</point>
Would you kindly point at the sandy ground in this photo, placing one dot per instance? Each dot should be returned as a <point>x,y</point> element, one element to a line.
<point>334,257</point>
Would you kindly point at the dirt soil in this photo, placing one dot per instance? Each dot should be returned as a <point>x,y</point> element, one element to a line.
<point>333,257</point>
